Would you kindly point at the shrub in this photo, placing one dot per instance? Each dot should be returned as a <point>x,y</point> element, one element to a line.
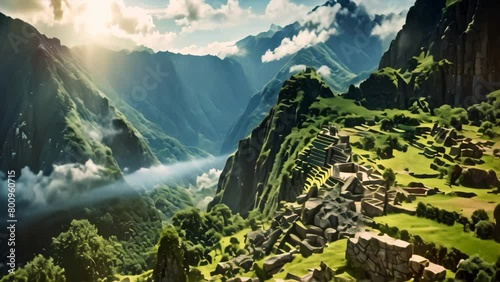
<point>368,142</point>
<point>484,229</point>
<point>40,269</point>
<point>469,269</point>
<point>479,215</point>
<point>421,209</point>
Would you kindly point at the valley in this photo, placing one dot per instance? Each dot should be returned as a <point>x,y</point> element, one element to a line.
<point>363,155</point>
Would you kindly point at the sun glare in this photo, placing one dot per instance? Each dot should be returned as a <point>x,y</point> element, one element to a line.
<point>96,17</point>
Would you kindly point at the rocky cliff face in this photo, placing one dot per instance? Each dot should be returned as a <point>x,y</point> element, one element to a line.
<point>462,41</point>
<point>258,174</point>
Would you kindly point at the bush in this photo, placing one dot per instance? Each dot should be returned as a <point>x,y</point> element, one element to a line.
<point>368,142</point>
<point>469,269</point>
<point>452,116</point>
<point>479,215</point>
<point>421,209</point>
<point>484,229</point>
<point>40,269</point>
<point>170,264</point>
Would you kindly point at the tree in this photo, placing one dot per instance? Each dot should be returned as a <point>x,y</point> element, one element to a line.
<point>479,215</point>
<point>83,253</point>
<point>170,258</point>
<point>40,269</point>
<point>484,229</point>
<point>469,269</point>
<point>389,177</point>
<point>421,209</point>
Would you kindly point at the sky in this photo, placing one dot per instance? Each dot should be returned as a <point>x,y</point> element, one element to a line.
<point>185,26</point>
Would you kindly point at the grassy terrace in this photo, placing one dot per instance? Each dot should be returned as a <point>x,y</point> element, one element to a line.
<point>443,235</point>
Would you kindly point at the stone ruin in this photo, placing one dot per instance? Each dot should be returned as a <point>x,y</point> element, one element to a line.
<point>383,258</point>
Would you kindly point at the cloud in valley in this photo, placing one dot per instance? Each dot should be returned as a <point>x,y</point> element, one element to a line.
<point>324,71</point>
<point>318,27</point>
<point>208,180</point>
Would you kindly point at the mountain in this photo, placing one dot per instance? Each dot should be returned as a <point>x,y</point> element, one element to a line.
<point>57,114</point>
<point>265,169</point>
<point>348,56</point>
<point>447,52</point>
<point>192,98</point>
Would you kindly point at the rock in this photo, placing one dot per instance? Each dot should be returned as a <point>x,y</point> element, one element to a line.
<point>478,178</point>
<point>300,229</point>
<point>434,272</point>
<point>301,199</point>
<point>245,262</point>
<point>306,249</point>
<point>417,264</point>
<point>311,207</point>
<point>274,264</point>
<point>331,235</point>
<point>311,229</point>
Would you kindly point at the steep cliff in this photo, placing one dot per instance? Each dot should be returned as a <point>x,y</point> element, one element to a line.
<point>258,174</point>
<point>448,52</point>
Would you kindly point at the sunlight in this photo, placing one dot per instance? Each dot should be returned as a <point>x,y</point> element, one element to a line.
<point>96,17</point>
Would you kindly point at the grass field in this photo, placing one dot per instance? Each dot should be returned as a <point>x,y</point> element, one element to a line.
<point>463,206</point>
<point>333,256</point>
<point>443,235</point>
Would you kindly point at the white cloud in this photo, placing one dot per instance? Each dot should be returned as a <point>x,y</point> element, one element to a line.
<point>390,27</point>
<point>208,180</point>
<point>305,38</point>
<point>66,182</point>
<point>324,71</point>
<point>193,15</point>
<point>297,68</point>
<point>377,7</point>
<point>317,26</point>
<point>219,49</point>
<point>283,12</point>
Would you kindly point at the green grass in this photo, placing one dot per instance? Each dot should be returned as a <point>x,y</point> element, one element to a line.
<point>333,256</point>
<point>443,235</point>
<point>463,206</point>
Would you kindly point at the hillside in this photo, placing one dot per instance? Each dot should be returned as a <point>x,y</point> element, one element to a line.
<point>191,98</point>
<point>347,56</point>
<point>56,114</point>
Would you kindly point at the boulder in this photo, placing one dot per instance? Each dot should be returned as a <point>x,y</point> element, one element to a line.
<point>307,249</point>
<point>331,235</point>
<point>274,264</point>
<point>245,262</point>
<point>311,207</point>
<point>478,178</point>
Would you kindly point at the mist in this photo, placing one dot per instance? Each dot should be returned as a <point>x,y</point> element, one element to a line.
<point>72,186</point>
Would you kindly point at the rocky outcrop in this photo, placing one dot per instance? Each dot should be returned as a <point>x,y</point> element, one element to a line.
<point>254,176</point>
<point>460,41</point>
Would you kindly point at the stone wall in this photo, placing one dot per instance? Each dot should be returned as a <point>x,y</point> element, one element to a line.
<point>383,258</point>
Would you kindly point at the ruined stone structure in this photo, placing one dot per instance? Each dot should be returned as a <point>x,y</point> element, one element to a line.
<point>383,258</point>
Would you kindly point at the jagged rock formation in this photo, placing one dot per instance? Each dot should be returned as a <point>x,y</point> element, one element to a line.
<point>254,175</point>
<point>448,54</point>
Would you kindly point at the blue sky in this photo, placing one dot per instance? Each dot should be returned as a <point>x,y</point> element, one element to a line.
<point>186,26</point>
